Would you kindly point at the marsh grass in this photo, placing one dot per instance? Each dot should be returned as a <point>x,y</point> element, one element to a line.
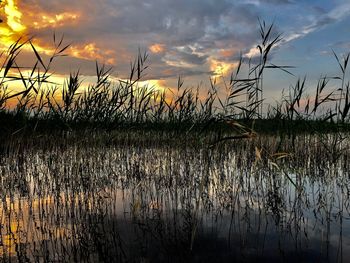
<point>126,104</point>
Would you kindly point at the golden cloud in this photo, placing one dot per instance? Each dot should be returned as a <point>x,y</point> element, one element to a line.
<point>13,16</point>
<point>56,20</point>
<point>91,51</point>
<point>13,27</point>
<point>157,48</point>
<point>19,23</point>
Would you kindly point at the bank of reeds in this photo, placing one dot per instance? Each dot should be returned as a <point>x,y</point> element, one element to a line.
<point>42,105</point>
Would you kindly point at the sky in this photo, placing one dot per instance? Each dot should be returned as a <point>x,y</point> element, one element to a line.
<point>194,39</point>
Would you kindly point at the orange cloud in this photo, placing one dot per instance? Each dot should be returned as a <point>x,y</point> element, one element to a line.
<point>91,51</point>
<point>157,48</point>
<point>56,20</point>
<point>226,53</point>
<point>19,23</point>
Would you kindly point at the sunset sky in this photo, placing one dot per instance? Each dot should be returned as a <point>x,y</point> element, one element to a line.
<point>192,38</point>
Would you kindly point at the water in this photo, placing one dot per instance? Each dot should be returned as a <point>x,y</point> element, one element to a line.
<point>175,203</point>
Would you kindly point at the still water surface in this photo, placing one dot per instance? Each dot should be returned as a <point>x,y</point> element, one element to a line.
<point>156,203</point>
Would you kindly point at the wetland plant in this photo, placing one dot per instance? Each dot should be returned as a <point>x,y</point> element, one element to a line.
<point>126,103</point>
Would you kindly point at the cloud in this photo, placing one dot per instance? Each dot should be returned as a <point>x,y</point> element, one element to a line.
<point>312,24</point>
<point>261,2</point>
<point>279,2</point>
<point>157,48</point>
<point>56,20</point>
<point>319,22</point>
<point>189,38</point>
<point>179,34</point>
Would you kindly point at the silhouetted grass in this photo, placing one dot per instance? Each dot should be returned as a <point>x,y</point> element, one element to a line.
<point>43,106</point>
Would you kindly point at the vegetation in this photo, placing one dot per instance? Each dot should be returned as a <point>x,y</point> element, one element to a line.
<point>45,106</point>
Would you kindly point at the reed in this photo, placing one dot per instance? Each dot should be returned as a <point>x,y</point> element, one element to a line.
<point>44,105</point>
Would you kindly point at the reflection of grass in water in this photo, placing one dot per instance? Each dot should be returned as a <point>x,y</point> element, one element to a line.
<point>125,201</point>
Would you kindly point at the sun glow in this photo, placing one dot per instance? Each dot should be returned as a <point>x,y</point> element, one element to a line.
<point>13,16</point>
<point>157,48</point>
<point>19,23</point>
<point>221,68</point>
<point>12,27</point>
<point>158,84</point>
<point>160,87</point>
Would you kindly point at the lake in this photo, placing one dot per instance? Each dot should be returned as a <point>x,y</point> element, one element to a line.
<point>264,199</point>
